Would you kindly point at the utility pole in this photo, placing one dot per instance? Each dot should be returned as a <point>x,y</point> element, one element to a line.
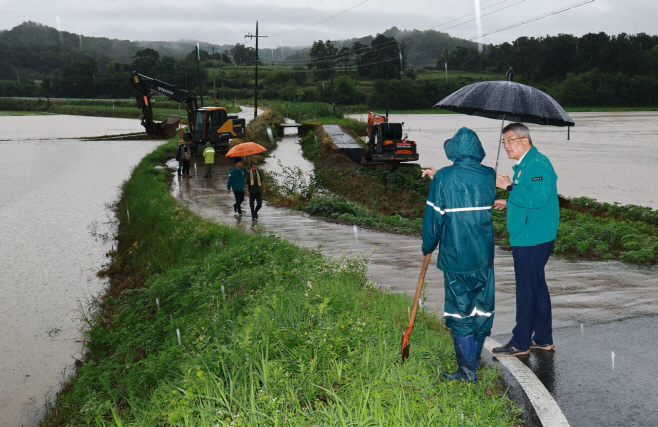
<point>386,62</point>
<point>214,93</point>
<point>198,70</point>
<point>257,59</point>
<point>333,92</point>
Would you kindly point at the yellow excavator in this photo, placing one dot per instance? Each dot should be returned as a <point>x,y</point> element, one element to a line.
<point>205,124</point>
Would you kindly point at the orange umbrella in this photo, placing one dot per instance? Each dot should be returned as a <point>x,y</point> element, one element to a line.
<point>245,149</point>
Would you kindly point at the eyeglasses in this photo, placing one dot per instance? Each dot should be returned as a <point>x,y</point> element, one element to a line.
<point>509,141</point>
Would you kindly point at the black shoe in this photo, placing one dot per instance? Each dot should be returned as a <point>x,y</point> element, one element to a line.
<point>545,347</point>
<point>509,350</point>
<point>235,209</point>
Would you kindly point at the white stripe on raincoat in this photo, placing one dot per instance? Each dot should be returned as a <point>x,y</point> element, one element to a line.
<point>475,312</point>
<point>444,211</point>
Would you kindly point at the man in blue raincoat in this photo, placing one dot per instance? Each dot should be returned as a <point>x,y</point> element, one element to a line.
<point>458,219</point>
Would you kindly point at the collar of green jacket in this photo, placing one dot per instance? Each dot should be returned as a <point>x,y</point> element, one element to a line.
<point>529,155</point>
<point>464,146</point>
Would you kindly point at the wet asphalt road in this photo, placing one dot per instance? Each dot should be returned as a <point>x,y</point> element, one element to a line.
<point>599,308</point>
<point>600,375</point>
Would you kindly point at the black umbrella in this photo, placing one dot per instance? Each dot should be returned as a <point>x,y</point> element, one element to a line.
<point>507,100</point>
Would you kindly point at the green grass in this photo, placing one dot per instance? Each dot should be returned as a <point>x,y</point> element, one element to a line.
<point>103,108</point>
<point>21,113</point>
<point>270,334</point>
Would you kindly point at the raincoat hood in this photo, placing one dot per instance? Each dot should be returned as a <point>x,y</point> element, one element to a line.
<point>464,145</point>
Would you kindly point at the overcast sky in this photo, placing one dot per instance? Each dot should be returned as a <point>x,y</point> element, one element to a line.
<point>300,22</point>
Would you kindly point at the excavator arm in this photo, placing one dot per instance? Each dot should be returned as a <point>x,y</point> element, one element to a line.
<point>144,87</point>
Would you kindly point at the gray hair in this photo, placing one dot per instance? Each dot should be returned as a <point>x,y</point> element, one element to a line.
<point>519,129</point>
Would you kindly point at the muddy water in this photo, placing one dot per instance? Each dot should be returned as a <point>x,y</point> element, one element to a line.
<point>53,214</point>
<point>611,157</point>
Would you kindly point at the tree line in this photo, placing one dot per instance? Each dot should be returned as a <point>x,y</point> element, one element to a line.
<point>594,69</point>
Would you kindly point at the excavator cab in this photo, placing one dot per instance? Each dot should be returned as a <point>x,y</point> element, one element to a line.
<point>387,142</point>
<point>214,125</point>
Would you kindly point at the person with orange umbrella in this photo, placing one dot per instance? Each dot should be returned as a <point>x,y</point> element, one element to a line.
<point>255,190</point>
<point>236,183</point>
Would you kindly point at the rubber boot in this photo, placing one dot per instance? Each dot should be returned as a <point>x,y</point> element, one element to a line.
<point>478,354</point>
<point>465,352</point>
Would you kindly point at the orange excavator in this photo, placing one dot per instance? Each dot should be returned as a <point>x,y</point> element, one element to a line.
<point>386,142</point>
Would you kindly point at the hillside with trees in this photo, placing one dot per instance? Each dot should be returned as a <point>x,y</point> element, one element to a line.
<point>418,67</point>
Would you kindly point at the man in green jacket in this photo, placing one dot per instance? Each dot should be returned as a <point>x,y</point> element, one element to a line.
<point>209,159</point>
<point>533,215</point>
<point>458,219</point>
<point>236,177</point>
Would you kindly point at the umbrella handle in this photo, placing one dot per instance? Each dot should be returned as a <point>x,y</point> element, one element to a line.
<point>500,142</point>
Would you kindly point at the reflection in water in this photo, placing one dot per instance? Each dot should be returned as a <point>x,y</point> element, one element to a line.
<point>542,364</point>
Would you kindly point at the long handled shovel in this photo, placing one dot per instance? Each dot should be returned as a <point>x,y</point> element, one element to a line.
<point>414,308</point>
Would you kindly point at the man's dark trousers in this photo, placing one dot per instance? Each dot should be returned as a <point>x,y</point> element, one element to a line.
<point>533,302</point>
<point>258,198</point>
<point>239,198</point>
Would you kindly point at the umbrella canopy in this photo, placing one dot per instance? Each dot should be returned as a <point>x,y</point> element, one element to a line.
<point>507,100</point>
<point>245,149</point>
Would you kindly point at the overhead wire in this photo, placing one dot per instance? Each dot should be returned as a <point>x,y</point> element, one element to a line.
<point>320,22</point>
<point>292,13</point>
<point>386,45</point>
<point>518,24</point>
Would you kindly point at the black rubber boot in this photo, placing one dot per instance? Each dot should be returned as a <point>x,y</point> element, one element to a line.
<point>466,359</point>
<point>478,354</point>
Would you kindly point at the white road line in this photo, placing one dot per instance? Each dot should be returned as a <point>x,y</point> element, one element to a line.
<point>547,409</point>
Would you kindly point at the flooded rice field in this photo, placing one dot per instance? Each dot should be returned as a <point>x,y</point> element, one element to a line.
<point>55,220</point>
<point>610,157</point>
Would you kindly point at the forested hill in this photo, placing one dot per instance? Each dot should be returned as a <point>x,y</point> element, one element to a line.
<point>595,69</point>
<point>33,49</point>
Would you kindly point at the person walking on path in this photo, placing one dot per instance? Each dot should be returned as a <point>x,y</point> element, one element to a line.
<point>186,158</point>
<point>255,190</point>
<point>209,159</point>
<point>457,218</point>
<point>179,156</point>
<point>236,182</point>
<point>533,215</point>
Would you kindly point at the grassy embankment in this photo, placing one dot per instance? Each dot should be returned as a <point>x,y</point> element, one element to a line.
<point>203,325</point>
<point>394,200</point>
<point>101,108</point>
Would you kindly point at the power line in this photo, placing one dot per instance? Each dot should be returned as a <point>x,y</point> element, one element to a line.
<point>387,45</point>
<point>292,13</point>
<point>320,22</point>
<point>518,24</point>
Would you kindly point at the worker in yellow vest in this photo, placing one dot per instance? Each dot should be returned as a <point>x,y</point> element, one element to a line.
<point>209,157</point>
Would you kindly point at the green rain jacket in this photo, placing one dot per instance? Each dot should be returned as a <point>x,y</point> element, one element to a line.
<point>236,179</point>
<point>458,211</point>
<point>533,212</point>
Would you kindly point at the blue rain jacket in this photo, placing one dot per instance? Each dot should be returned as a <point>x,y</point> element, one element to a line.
<point>458,212</point>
